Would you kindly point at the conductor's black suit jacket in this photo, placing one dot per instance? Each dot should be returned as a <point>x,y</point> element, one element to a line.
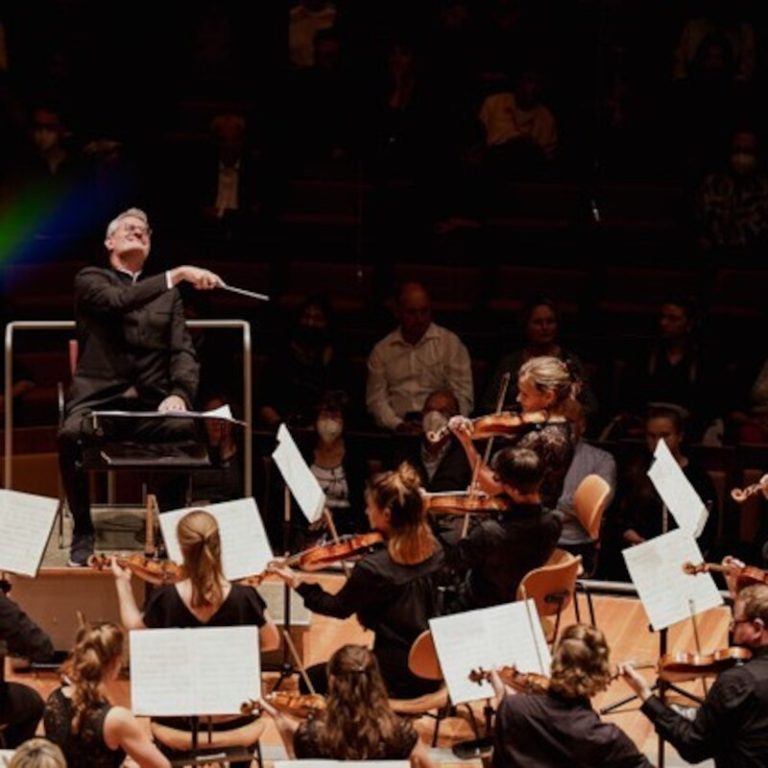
<point>130,335</point>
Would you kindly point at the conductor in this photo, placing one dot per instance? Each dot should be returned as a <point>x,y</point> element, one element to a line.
<point>134,354</point>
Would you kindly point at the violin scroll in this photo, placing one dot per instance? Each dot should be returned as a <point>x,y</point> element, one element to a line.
<point>740,495</point>
<point>524,682</point>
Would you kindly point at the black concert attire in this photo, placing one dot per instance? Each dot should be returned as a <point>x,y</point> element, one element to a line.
<point>87,747</point>
<point>306,743</point>
<point>447,470</point>
<point>134,351</point>
<point>499,551</point>
<point>395,601</point>
<point>21,707</point>
<point>551,730</point>
<point>165,609</point>
<point>731,725</point>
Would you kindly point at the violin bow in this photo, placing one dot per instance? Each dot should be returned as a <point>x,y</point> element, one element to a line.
<point>297,660</point>
<point>502,396</point>
<point>336,540</point>
<point>697,641</point>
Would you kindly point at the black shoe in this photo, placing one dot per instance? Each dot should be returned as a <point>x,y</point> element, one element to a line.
<point>81,550</point>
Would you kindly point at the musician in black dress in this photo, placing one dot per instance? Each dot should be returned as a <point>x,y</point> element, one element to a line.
<point>393,590</point>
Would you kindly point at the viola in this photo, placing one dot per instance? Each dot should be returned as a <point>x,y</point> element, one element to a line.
<point>524,682</point>
<point>151,571</point>
<point>502,424</point>
<point>745,574</point>
<point>681,665</point>
<point>321,555</point>
<point>301,705</point>
<point>460,503</point>
<point>742,494</point>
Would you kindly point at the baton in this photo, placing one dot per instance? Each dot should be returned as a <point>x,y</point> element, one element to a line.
<point>243,292</point>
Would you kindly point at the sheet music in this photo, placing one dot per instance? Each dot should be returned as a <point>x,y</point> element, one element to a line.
<point>245,548</point>
<point>203,671</point>
<point>665,590</point>
<point>222,413</point>
<point>676,491</point>
<point>26,521</point>
<point>470,640</point>
<point>298,477</point>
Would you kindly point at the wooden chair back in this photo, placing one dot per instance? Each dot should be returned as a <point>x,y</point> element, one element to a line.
<point>552,585</point>
<point>589,502</point>
<point>422,658</point>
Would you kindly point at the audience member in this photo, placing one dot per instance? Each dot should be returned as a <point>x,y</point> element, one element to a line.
<point>732,204</point>
<point>541,326</point>
<point>358,723</point>
<point>559,727</point>
<point>135,354</point>
<point>307,18</point>
<point>639,510</point>
<point>497,553</point>
<point>20,706</point>
<point>79,716</point>
<point>417,358</point>
<point>394,589</point>
<point>37,753</point>
<point>307,363</point>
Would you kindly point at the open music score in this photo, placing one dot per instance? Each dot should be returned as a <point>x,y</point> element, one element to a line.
<point>298,476</point>
<point>26,521</point>
<point>222,413</point>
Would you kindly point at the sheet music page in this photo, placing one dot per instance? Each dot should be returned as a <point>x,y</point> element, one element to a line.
<point>245,548</point>
<point>665,590</point>
<point>26,521</point>
<point>470,640</point>
<point>311,763</point>
<point>202,671</point>
<point>676,491</point>
<point>298,477</point>
<point>223,413</point>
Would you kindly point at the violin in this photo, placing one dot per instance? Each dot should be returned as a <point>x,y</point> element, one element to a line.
<point>151,571</point>
<point>745,574</point>
<point>742,494</point>
<point>460,503</point>
<point>301,705</point>
<point>321,555</point>
<point>523,682</point>
<point>502,424</point>
<point>681,665</point>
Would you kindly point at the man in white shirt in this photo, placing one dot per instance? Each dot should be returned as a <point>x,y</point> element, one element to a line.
<point>417,358</point>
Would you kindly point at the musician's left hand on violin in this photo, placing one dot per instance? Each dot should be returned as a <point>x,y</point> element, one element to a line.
<point>635,681</point>
<point>286,573</point>
<point>732,579</point>
<point>120,573</point>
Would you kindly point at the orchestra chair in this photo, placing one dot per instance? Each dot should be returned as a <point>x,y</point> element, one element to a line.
<point>423,662</point>
<point>238,744</point>
<point>552,587</point>
<point>589,502</point>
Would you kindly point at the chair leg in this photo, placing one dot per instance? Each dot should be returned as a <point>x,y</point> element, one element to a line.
<point>576,608</point>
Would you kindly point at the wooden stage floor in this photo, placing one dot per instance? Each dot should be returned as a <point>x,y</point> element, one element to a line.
<point>622,619</point>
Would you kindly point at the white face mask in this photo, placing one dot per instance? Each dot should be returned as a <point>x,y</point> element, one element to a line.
<point>328,429</point>
<point>433,421</point>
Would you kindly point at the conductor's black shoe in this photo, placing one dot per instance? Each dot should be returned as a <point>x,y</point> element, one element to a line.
<point>81,550</point>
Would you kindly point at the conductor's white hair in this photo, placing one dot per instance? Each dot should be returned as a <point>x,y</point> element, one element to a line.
<point>133,212</point>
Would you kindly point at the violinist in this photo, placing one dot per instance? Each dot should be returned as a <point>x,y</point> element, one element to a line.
<point>500,550</point>
<point>544,384</point>
<point>731,726</point>
<point>203,599</point>
<point>393,590</point>
<point>559,727</point>
<point>357,723</point>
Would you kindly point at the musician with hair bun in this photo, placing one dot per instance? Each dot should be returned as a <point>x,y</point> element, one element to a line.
<point>545,385</point>
<point>559,727</point>
<point>357,723</point>
<point>501,549</point>
<point>79,716</point>
<point>393,590</point>
<point>203,599</point>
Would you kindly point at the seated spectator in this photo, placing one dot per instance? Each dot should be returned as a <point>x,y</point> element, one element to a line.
<point>414,360</point>
<point>672,373</point>
<point>541,326</point>
<point>752,424</point>
<point>306,364</point>
<point>307,18</point>
<point>640,513</point>
<point>520,131</point>
<point>732,204</point>
<point>79,716</point>
<point>224,481</point>
<point>587,460</point>
<point>38,753</point>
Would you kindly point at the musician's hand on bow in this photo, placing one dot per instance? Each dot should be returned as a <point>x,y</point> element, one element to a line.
<point>172,403</point>
<point>635,681</point>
